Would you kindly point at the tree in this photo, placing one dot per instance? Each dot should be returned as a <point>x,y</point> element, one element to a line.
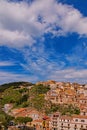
<point>27,119</point>
<point>10,95</point>
<point>39,102</point>
<point>23,120</point>
<point>5,119</point>
<point>23,99</point>
<point>77,111</point>
<point>19,120</point>
<point>9,118</point>
<point>39,89</point>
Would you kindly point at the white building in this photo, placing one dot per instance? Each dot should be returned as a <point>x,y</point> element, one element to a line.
<point>7,107</point>
<point>76,122</point>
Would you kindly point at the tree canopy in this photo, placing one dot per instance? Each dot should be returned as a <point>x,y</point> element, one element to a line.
<point>23,120</point>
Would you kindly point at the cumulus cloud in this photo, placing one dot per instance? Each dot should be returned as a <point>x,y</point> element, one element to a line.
<point>14,38</point>
<point>21,23</point>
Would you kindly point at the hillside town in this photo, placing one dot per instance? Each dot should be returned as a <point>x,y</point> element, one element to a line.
<point>63,93</point>
<point>43,64</point>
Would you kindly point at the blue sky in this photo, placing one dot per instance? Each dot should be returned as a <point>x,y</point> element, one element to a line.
<point>43,40</point>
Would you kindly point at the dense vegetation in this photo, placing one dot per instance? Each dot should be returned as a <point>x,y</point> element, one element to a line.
<point>23,120</point>
<point>37,99</point>
<point>39,89</point>
<point>10,95</point>
<point>64,109</point>
<point>15,84</point>
<point>23,97</point>
<point>5,118</point>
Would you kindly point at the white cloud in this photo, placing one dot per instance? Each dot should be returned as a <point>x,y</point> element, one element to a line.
<point>78,55</point>
<point>14,38</point>
<point>72,75</point>
<point>12,77</point>
<point>47,65</point>
<point>67,75</point>
<point>21,23</point>
<point>38,61</point>
<point>6,63</point>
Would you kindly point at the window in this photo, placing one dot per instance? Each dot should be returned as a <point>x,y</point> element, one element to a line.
<point>76,120</point>
<point>82,120</point>
<point>68,125</point>
<point>75,126</point>
<point>61,125</point>
<point>55,115</point>
<point>84,113</point>
<point>81,126</point>
<point>55,128</point>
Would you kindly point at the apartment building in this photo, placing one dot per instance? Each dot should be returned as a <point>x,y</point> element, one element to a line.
<point>75,122</point>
